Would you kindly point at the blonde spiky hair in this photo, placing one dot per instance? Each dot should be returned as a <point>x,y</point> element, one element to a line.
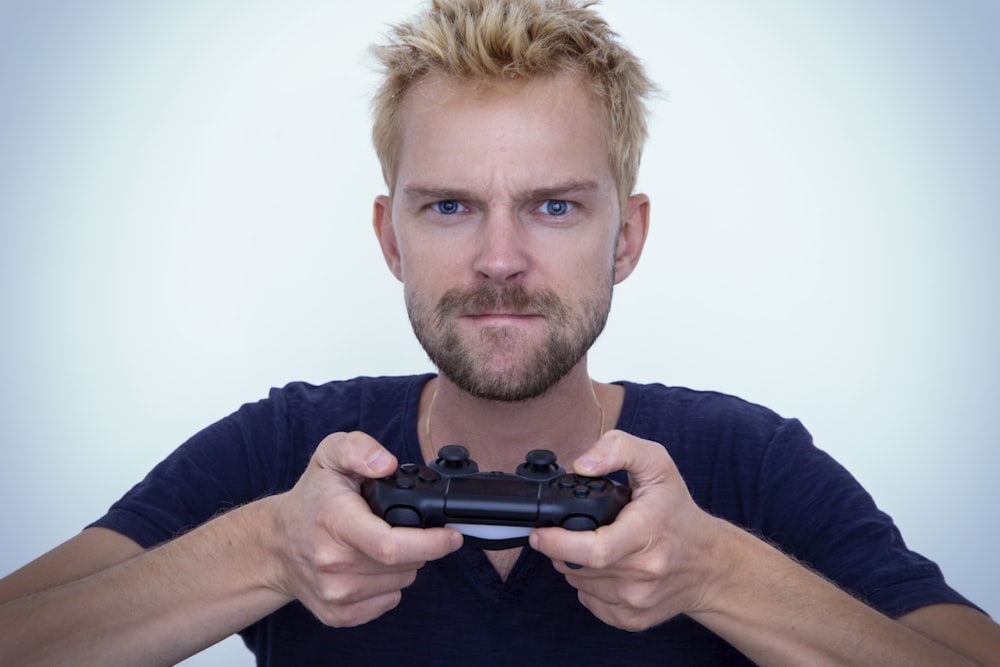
<point>496,41</point>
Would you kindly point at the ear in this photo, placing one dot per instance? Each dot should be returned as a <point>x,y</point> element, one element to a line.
<point>386,234</point>
<point>632,236</point>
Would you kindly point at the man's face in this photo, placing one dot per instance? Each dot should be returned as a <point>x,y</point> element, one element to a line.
<point>503,227</point>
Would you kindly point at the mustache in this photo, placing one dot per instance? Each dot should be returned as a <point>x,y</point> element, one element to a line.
<point>487,298</point>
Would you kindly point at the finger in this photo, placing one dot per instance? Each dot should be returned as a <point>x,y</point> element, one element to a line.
<point>337,614</point>
<point>342,591</point>
<point>354,453</point>
<point>646,461</point>
<point>413,545</point>
<point>392,546</point>
<point>596,549</point>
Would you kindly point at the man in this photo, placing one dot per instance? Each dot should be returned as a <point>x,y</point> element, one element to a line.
<point>509,135</point>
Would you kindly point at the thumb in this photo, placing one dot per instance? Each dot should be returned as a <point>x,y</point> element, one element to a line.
<point>354,453</point>
<point>617,450</point>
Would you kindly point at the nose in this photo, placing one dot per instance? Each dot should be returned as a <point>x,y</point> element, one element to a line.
<point>502,252</point>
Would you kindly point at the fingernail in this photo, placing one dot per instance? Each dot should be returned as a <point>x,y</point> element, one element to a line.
<point>378,461</point>
<point>586,463</point>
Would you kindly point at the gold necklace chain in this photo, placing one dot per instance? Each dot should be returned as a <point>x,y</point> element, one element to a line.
<point>430,411</point>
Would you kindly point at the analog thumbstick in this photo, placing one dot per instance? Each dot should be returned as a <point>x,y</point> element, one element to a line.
<point>540,460</point>
<point>540,464</point>
<point>454,460</point>
<point>453,456</point>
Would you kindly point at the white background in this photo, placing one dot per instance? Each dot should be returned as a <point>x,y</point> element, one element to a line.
<point>185,197</point>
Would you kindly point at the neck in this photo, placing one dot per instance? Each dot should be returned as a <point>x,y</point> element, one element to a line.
<point>567,419</point>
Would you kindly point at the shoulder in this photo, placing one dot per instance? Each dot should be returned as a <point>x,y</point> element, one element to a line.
<point>259,450</point>
<point>346,402</point>
<point>724,446</point>
<point>302,414</point>
<point>687,414</point>
<point>356,390</point>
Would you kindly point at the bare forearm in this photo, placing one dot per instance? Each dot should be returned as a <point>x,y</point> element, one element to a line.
<point>777,612</point>
<point>157,608</point>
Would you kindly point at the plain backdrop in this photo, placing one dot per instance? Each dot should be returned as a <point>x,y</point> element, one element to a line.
<point>185,205</point>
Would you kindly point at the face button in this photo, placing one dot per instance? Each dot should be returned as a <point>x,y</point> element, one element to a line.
<point>428,476</point>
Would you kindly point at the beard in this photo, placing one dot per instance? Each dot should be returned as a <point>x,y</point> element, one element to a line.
<point>529,373</point>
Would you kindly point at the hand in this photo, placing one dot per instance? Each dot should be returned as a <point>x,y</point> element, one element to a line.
<point>344,563</point>
<point>652,562</point>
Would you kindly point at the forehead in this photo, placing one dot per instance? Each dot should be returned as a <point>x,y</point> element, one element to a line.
<point>519,133</point>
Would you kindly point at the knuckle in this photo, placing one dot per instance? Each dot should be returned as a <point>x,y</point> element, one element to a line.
<point>391,601</point>
<point>601,555</point>
<point>386,552</point>
<point>326,559</point>
<point>345,451</point>
<point>626,619</point>
<point>351,615</point>
<point>333,617</point>
<point>656,566</point>
<point>633,625</point>
<point>408,580</point>
<point>335,594</point>
<point>616,439</point>
<point>639,596</point>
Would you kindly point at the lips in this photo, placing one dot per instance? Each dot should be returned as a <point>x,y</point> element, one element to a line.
<point>501,314</point>
<point>492,301</point>
<point>500,319</point>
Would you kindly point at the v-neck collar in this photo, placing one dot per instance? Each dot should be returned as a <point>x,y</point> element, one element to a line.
<point>475,561</point>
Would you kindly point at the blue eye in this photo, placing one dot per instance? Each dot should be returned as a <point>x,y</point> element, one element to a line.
<point>447,207</point>
<point>556,207</point>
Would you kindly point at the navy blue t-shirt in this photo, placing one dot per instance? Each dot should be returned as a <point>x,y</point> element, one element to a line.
<point>741,462</point>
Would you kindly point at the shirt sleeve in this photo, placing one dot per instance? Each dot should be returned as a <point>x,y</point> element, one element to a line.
<point>813,508</point>
<point>240,458</point>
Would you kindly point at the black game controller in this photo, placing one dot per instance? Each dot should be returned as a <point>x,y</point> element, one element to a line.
<point>494,510</point>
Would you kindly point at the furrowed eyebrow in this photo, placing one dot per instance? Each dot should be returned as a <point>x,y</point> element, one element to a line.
<point>561,191</point>
<point>436,194</point>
